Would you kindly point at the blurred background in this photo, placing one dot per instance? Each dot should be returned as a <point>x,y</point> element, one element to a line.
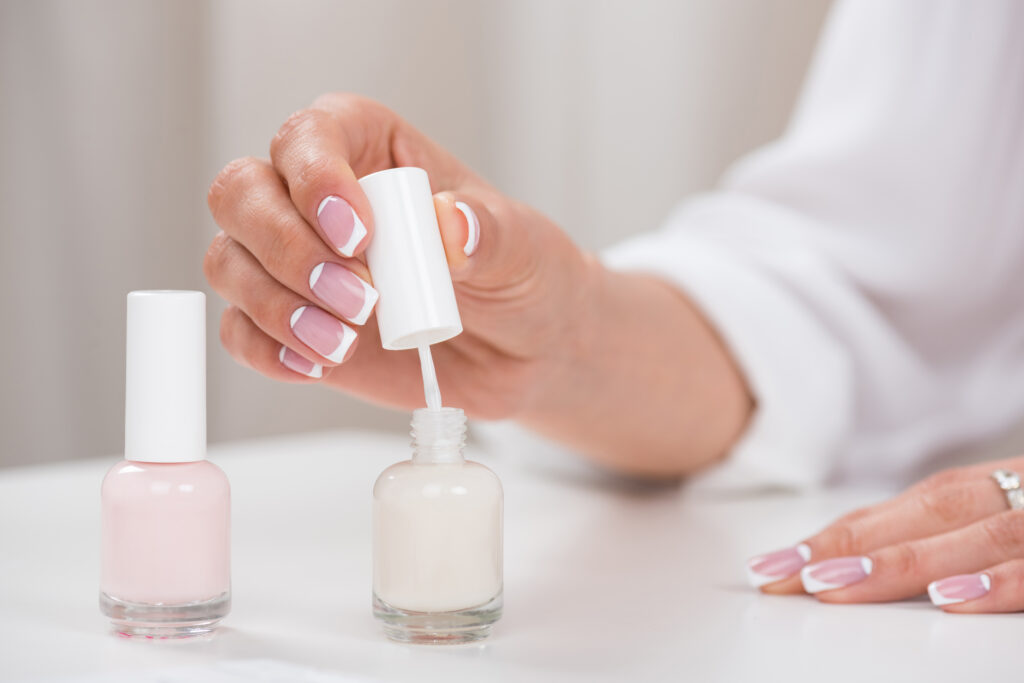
<point>115,115</point>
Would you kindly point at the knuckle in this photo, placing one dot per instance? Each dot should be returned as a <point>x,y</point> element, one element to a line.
<point>1014,571</point>
<point>239,173</point>
<point>942,479</point>
<point>320,170</point>
<point>284,243</point>
<point>296,126</point>
<point>843,538</point>
<point>349,103</point>
<point>234,329</point>
<point>903,559</point>
<point>228,326</point>
<point>264,313</point>
<point>215,260</point>
<point>948,504</point>
<point>1005,532</point>
<point>855,515</point>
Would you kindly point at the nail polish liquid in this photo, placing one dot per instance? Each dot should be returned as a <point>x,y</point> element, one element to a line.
<point>437,518</point>
<point>166,539</point>
<point>165,508</point>
<point>437,530</point>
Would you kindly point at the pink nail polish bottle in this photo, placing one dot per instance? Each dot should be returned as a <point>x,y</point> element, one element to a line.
<point>165,508</point>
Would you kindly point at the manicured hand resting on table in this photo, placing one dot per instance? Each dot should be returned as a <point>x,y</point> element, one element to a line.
<point>953,535</point>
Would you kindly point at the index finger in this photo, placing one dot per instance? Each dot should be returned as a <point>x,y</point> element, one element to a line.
<point>320,153</point>
<point>312,152</point>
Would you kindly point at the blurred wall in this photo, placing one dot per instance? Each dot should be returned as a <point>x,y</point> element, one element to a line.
<point>116,114</point>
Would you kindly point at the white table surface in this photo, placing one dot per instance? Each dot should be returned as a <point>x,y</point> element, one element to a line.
<point>603,582</point>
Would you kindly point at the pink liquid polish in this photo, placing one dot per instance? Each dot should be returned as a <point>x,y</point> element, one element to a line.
<point>165,509</point>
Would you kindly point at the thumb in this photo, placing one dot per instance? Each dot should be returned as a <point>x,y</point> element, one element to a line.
<point>482,250</point>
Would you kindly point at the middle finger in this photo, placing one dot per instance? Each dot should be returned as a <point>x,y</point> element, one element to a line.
<point>250,203</point>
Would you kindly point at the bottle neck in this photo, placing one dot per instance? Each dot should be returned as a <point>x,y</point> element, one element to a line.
<point>438,436</point>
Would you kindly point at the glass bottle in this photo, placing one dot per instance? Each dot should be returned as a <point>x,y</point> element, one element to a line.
<point>437,538</point>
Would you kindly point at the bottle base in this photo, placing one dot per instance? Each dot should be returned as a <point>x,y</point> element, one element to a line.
<point>135,619</point>
<point>438,628</point>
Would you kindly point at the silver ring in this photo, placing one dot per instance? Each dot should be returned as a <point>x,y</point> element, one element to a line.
<point>1009,482</point>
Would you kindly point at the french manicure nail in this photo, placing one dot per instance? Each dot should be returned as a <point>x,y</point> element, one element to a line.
<point>777,565</point>
<point>835,573</point>
<point>473,234</point>
<point>959,588</point>
<point>297,363</point>
<point>322,332</point>
<point>341,224</point>
<point>343,291</point>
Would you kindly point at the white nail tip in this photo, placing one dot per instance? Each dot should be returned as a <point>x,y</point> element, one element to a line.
<point>370,297</point>
<point>940,600</point>
<point>813,585</point>
<point>316,372</point>
<point>757,580</point>
<point>314,275</point>
<point>473,236</point>
<point>937,598</point>
<point>358,233</point>
<point>348,336</point>
<point>323,204</point>
<point>295,316</point>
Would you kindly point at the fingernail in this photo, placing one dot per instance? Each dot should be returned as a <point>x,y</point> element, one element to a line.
<point>473,234</point>
<point>297,363</point>
<point>322,332</point>
<point>341,224</point>
<point>835,573</point>
<point>343,291</point>
<point>959,588</point>
<point>777,565</point>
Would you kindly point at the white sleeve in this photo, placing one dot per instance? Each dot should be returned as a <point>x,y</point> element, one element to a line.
<point>867,270</point>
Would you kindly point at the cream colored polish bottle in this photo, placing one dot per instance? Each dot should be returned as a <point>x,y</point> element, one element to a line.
<point>437,518</point>
<point>437,531</point>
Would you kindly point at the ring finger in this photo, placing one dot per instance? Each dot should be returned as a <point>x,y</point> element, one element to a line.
<point>281,313</point>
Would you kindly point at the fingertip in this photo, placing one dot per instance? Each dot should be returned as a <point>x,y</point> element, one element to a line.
<point>299,364</point>
<point>789,586</point>
<point>341,224</point>
<point>454,227</point>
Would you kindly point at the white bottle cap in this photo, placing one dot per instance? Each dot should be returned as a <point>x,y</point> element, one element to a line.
<point>407,261</point>
<point>165,377</point>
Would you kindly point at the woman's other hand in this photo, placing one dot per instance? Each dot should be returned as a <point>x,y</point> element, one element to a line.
<point>954,536</point>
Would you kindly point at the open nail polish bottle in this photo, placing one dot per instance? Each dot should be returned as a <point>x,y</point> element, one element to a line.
<point>437,518</point>
<point>165,508</point>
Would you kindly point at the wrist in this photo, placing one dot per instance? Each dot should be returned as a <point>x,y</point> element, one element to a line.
<point>578,319</point>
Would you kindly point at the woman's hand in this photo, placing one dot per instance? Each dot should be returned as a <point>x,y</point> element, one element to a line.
<point>619,366</point>
<point>953,535</point>
<point>295,228</point>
